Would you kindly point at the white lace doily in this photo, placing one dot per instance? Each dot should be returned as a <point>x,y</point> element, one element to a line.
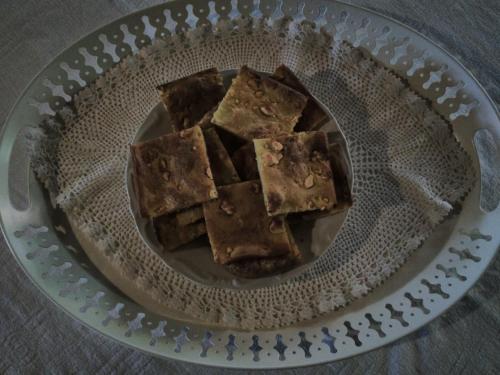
<point>409,171</point>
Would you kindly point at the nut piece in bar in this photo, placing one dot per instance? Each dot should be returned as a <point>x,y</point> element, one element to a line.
<point>222,167</point>
<point>172,172</point>
<point>340,170</point>
<point>239,228</point>
<point>313,115</point>
<point>245,163</point>
<point>295,173</point>
<point>171,235</point>
<point>253,268</point>
<point>258,107</point>
<point>188,99</point>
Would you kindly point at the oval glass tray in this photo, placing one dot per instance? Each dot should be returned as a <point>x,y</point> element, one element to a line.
<point>435,276</point>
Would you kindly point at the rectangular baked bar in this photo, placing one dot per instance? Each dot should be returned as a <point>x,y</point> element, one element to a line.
<point>341,177</point>
<point>295,173</point>
<point>258,107</point>
<point>254,268</point>
<point>172,172</point>
<point>239,228</point>
<point>188,99</point>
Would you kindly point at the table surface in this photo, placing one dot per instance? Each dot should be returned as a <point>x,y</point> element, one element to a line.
<point>35,336</point>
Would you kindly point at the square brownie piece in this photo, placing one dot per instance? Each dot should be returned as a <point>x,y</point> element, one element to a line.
<point>172,172</point>
<point>171,235</point>
<point>258,107</point>
<point>313,115</point>
<point>239,228</point>
<point>188,99</point>
<point>341,177</point>
<point>295,173</point>
<point>223,169</point>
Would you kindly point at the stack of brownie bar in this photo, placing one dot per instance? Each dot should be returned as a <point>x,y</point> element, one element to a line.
<point>238,164</point>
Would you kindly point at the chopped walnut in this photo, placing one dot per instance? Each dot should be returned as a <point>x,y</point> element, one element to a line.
<point>276,146</point>
<point>208,172</point>
<point>309,181</point>
<point>276,226</point>
<point>266,111</point>
<point>272,159</point>
<point>162,165</point>
<point>227,207</point>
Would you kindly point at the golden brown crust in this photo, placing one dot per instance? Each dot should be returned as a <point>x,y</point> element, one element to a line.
<point>245,162</point>
<point>238,226</point>
<point>188,99</point>
<point>222,167</point>
<point>171,235</point>
<point>340,169</point>
<point>253,268</point>
<point>313,115</point>
<point>258,107</point>
<point>295,173</point>
<point>172,172</point>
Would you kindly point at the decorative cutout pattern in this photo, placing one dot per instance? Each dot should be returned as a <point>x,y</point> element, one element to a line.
<point>375,325</point>
<point>280,347</point>
<point>305,345</point>
<point>158,332</point>
<point>451,272</point>
<point>206,343</point>
<point>475,235</point>
<point>352,333</point>
<point>92,302</point>
<point>435,289</point>
<point>255,348</point>
<point>42,252</point>
<point>135,324</point>
<point>417,303</point>
<point>464,254</point>
<point>113,314</point>
<point>231,347</point>
<point>396,315</point>
<point>328,340</point>
<point>181,340</point>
